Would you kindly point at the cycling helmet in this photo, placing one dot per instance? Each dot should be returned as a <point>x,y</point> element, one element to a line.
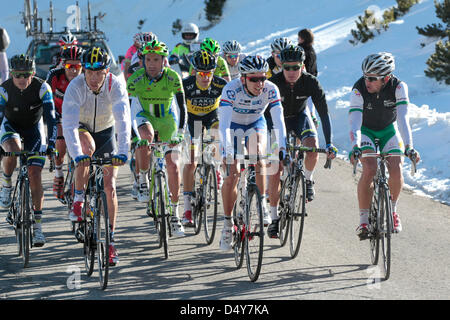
<point>155,47</point>
<point>68,40</point>
<point>210,45</point>
<point>96,58</point>
<point>231,46</point>
<point>203,60</point>
<point>280,44</point>
<point>292,54</point>
<point>72,53</point>
<point>252,64</point>
<point>144,37</point>
<point>22,62</point>
<point>381,63</point>
<point>189,33</point>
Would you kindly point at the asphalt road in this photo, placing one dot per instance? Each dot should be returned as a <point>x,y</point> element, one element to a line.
<point>332,263</point>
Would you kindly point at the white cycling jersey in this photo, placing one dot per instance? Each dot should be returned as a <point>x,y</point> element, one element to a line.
<point>237,107</point>
<point>97,112</point>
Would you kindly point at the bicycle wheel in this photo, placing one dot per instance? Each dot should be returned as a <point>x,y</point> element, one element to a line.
<point>374,229</point>
<point>210,204</point>
<point>152,205</point>
<point>238,232</point>
<point>386,225</point>
<point>297,215</point>
<point>69,189</point>
<point>160,206</point>
<point>254,237</point>
<point>283,224</point>
<point>102,239</point>
<point>87,228</point>
<point>26,222</point>
<point>197,208</point>
<point>15,210</point>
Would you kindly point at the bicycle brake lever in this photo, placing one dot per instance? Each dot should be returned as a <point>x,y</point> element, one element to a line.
<point>327,164</point>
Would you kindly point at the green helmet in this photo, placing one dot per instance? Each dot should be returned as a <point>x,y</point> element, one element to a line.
<point>155,47</point>
<point>210,45</point>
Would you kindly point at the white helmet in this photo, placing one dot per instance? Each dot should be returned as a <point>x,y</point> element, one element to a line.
<point>280,44</point>
<point>188,32</point>
<point>231,46</point>
<point>144,37</point>
<point>381,63</point>
<point>253,64</point>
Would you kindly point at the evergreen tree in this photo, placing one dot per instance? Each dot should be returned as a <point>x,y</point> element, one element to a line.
<point>213,10</point>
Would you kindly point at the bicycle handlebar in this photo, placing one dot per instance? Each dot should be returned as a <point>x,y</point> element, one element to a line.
<point>386,155</point>
<point>30,153</point>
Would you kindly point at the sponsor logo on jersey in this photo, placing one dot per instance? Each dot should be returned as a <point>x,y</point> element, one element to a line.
<point>231,94</point>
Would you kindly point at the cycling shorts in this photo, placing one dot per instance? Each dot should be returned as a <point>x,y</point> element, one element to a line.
<point>390,140</point>
<point>210,120</point>
<point>242,131</point>
<point>105,141</point>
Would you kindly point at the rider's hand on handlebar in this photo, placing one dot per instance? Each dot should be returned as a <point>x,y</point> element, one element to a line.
<point>412,154</point>
<point>355,154</point>
<point>82,161</point>
<point>332,151</point>
<point>119,160</point>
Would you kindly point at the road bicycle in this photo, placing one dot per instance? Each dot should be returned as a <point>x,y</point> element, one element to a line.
<point>20,214</point>
<point>381,221</point>
<point>293,195</point>
<point>94,229</point>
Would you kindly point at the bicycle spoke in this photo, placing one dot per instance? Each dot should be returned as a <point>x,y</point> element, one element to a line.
<point>297,216</point>
<point>254,239</point>
<point>210,205</point>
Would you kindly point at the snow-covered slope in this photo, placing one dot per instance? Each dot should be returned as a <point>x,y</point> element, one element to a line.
<point>255,23</point>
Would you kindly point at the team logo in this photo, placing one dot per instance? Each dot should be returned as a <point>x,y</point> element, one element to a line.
<point>231,94</point>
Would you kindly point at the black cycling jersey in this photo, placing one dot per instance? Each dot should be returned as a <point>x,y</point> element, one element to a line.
<point>294,98</point>
<point>379,109</point>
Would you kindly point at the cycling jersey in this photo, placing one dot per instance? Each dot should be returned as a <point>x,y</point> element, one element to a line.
<point>273,68</point>
<point>128,56</point>
<point>376,111</point>
<point>237,107</point>
<point>58,82</point>
<point>221,69</point>
<point>156,100</point>
<point>24,108</point>
<point>96,112</point>
<point>183,51</point>
<point>234,70</point>
<point>294,99</point>
<point>201,103</point>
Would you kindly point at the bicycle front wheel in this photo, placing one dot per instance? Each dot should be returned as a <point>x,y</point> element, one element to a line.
<point>197,208</point>
<point>374,229</point>
<point>162,214</point>
<point>210,204</point>
<point>254,237</point>
<point>386,227</point>
<point>297,216</point>
<point>238,232</point>
<point>87,228</point>
<point>102,240</point>
<point>26,222</point>
<point>283,224</point>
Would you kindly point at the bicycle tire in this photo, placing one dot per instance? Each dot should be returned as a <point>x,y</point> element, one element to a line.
<point>254,238</point>
<point>152,206</point>
<point>386,224</point>
<point>197,211</point>
<point>238,234</point>
<point>163,221</point>
<point>17,217</point>
<point>297,215</point>
<point>102,240</point>
<point>26,222</point>
<point>69,190</point>
<point>283,224</point>
<point>374,237</point>
<point>87,227</point>
<point>210,202</point>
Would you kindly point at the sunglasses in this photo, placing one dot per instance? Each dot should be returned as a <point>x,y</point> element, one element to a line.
<point>233,56</point>
<point>257,79</point>
<point>70,65</point>
<point>373,78</point>
<point>95,65</point>
<point>294,67</point>
<point>204,73</point>
<point>24,75</point>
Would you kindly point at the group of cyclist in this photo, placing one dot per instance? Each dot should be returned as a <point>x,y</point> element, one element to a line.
<point>91,112</point>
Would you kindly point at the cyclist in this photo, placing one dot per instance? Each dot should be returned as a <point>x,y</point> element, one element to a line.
<point>232,53</point>
<point>24,101</point>
<point>213,47</point>
<point>181,53</point>
<point>65,41</point>
<point>203,93</point>
<point>96,107</point>
<point>155,91</point>
<point>59,79</point>
<point>295,87</point>
<point>136,59</point>
<point>241,111</point>
<point>138,39</point>
<point>275,64</point>
<point>379,110</point>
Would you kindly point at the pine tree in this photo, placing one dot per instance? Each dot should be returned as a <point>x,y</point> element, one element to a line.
<point>213,10</point>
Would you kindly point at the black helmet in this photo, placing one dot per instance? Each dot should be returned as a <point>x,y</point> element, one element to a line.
<point>96,58</point>
<point>22,62</point>
<point>72,53</point>
<point>292,54</point>
<point>203,60</point>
